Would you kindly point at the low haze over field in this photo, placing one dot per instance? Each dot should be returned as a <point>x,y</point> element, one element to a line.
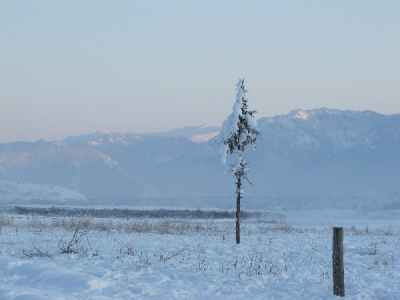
<point>72,67</point>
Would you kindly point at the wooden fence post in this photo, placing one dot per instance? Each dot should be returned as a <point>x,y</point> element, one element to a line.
<point>337,262</point>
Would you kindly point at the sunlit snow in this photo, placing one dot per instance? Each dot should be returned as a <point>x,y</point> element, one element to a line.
<point>198,259</point>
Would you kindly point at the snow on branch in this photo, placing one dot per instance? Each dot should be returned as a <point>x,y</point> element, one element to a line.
<point>238,130</point>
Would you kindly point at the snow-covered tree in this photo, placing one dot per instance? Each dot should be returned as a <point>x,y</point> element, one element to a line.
<point>238,131</point>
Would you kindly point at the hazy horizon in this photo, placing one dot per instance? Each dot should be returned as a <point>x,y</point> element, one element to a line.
<point>69,68</point>
<point>139,133</point>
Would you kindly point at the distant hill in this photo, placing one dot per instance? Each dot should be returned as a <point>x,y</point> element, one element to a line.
<point>28,193</point>
<point>321,152</point>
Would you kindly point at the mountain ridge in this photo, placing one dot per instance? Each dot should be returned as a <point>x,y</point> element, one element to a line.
<point>306,152</point>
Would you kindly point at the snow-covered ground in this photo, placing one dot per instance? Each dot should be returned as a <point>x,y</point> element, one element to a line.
<point>198,259</point>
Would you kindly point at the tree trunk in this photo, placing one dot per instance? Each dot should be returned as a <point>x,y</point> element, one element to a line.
<point>238,187</point>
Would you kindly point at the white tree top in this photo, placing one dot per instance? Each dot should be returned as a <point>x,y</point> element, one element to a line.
<point>238,130</point>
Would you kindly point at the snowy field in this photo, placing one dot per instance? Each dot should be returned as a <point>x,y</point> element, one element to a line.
<point>47,258</point>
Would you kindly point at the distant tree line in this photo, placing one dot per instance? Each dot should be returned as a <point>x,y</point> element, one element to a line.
<point>132,213</point>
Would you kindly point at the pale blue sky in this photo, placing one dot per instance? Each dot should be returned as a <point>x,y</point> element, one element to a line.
<point>77,67</point>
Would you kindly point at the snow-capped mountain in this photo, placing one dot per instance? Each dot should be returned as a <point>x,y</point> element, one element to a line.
<point>319,152</point>
<point>330,130</point>
<point>328,152</point>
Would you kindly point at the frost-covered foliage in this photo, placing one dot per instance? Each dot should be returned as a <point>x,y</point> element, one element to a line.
<point>238,130</point>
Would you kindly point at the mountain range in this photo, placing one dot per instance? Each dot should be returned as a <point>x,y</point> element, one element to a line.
<point>320,152</point>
